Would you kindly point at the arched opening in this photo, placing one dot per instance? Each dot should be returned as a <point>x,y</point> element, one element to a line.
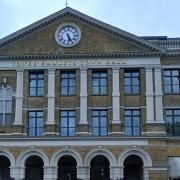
<point>133,168</point>
<point>4,168</point>
<point>34,168</point>
<point>99,168</point>
<point>67,168</point>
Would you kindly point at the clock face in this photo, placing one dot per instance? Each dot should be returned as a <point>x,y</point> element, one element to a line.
<point>68,35</point>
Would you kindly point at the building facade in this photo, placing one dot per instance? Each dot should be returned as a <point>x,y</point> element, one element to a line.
<point>83,99</point>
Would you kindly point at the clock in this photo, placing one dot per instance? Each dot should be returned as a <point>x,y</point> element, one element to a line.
<point>68,35</point>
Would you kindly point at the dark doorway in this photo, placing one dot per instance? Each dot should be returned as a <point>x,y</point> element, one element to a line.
<point>34,168</point>
<point>99,168</point>
<point>4,168</point>
<point>67,168</point>
<point>133,168</point>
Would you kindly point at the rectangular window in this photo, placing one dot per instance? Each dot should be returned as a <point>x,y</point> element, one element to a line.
<point>132,82</point>
<point>174,167</point>
<point>173,122</point>
<point>35,123</point>
<point>132,123</point>
<point>99,82</point>
<point>172,81</point>
<point>5,105</point>
<point>99,123</point>
<point>36,83</point>
<point>68,83</point>
<point>67,123</point>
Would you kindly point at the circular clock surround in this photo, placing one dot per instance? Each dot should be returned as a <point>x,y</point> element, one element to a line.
<point>68,34</point>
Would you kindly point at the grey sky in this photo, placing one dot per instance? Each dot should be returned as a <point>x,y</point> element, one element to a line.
<point>140,17</point>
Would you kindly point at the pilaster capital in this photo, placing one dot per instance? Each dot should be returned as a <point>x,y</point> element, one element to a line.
<point>115,68</point>
<point>149,68</point>
<point>83,68</point>
<point>157,68</point>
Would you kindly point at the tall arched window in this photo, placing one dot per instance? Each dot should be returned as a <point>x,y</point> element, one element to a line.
<point>5,104</point>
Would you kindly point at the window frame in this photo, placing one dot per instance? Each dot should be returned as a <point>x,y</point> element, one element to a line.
<point>99,127</point>
<point>68,123</point>
<point>36,79</point>
<point>171,76</point>
<point>131,77</point>
<point>173,126</point>
<point>68,72</point>
<point>99,79</point>
<point>36,123</point>
<point>131,126</point>
<point>5,99</point>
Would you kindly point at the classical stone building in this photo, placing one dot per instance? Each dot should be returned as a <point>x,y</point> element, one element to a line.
<point>82,99</point>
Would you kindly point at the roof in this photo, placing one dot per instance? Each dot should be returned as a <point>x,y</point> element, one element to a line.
<point>85,18</point>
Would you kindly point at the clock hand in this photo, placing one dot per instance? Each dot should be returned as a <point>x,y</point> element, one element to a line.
<point>69,38</point>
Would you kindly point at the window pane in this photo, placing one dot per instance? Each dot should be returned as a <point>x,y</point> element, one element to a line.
<point>1,120</point>
<point>128,131</point>
<point>128,121</point>
<point>31,132</point>
<point>175,73</point>
<point>39,122</point>
<point>95,131</point>
<point>7,119</point>
<point>71,131</point>
<point>135,89</point>
<point>72,91</point>
<point>95,90</point>
<point>170,130</point>
<point>32,114</point>
<point>177,120</point>
<point>135,81</point>
<point>64,82</point>
<point>39,114</point>
<point>177,130</point>
<point>128,89</point>
<point>167,80</point>
<point>64,75</point>
<point>103,82</point>
<point>127,113</point>
<point>32,122</point>
<point>103,90</point>
<point>40,76</point>
<point>71,122</point>
<point>95,122</point>
<point>103,131</point>
<point>103,122</point>
<point>32,83</point>
<point>32,76</point>
<point>95,82</point>
<point>103,113</point>
<point>167,88</point>
<point>176,112</point>
<point>32,91</point>
<point>64,122</point>
<point>103,74</point>
<point>63,131</point>
<point>136,131</point>
<point>72,75</point>
<point>127,81</point>
<point>169,120</point>
<point>167,73</point>
<point>72,82</point>
<point>64,113</point>
<point>175,88</point>
<point>64,91</point>
<point>71,113</point>
<point>168,112</point>
<point>95,113</point>
<point>40,91</point>
<point>40,83</point>
<point>39,131</point>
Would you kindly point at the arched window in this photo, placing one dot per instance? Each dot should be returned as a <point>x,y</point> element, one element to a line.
<point>5,104</point>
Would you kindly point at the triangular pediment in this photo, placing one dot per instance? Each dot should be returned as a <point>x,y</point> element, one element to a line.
<point>96,37</point>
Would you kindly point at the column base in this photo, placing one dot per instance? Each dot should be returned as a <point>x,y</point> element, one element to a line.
<point>83,130</point>
<point>50,130</point>
<point>154,128</point>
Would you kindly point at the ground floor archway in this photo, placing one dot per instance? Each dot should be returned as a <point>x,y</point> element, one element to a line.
<point>5,168</point>
<point>133,168</point>
<point>34,168</point>
<point>99,168</point>
<point>67,168</point>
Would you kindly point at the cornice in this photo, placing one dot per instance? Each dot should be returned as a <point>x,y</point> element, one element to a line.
<point>84,18</point>
<point>78,56</point>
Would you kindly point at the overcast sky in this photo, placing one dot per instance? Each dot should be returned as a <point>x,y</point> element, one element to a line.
<point>140,17</point>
